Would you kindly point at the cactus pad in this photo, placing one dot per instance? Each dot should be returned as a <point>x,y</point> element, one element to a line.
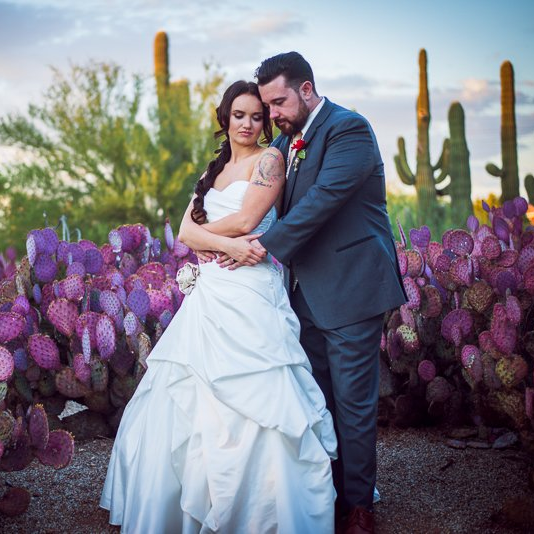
<point>426,370</point>
<point>59,450</point>
<point>38,427</point>
<point>11,326</point>
<point>7,364</point>
<point>105,337</point>
<point>63,313</point>
<point>44,351</point>
<point>15,501</point>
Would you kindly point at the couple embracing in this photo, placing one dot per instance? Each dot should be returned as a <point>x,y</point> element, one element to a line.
<point>257,413</point>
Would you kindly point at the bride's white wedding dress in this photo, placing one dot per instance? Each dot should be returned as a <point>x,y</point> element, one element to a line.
<point>227,431</point>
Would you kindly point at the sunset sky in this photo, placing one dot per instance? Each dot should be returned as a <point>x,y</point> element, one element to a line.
<point>363,52</point>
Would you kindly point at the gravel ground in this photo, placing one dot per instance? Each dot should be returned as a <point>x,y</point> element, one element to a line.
<point>426,487</point>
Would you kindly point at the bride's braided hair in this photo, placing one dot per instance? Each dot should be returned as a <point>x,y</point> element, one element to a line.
<point>215,166</point>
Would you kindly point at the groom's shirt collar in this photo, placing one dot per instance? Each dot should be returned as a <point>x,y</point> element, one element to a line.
<point>312,116</point>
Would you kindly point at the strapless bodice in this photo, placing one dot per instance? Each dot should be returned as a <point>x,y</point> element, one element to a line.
<point>219,204</point>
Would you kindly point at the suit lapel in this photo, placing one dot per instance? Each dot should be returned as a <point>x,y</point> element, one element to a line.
<point>292,176</point>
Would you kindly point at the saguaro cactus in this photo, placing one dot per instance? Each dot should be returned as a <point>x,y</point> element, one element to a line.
<point>424,178</point>
<point>459,187</point>
<point>508,173</point>
<point>529,186</point>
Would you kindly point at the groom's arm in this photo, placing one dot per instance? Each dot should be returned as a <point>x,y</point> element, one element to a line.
<point>349,159</point>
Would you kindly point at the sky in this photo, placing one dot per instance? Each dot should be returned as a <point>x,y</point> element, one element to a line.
<point>364,54</point>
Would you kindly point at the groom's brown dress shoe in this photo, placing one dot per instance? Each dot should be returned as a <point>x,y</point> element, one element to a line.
<point>359,521</point>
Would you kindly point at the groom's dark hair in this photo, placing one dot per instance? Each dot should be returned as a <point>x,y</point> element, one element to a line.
<point>295,69</point>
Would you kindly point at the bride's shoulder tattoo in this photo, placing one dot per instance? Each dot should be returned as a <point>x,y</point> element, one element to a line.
<point>270,169</point>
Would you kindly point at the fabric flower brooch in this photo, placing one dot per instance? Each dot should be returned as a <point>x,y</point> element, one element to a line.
<point>300,146</point>
<point>187,277</point>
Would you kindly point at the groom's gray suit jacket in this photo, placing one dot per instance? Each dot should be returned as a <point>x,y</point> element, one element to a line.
<point>335,230</point>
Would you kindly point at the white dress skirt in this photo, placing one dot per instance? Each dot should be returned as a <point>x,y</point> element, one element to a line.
<point>227,431</point>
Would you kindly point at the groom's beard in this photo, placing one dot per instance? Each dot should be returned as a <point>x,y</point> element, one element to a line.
<point>290,128</point>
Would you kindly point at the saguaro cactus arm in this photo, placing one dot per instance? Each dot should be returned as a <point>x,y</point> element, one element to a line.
<point>403,169</point>
<point>443,162</point>
<point>494,170</point>
<point>529,186</point>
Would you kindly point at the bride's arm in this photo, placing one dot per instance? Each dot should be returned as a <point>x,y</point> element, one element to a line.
<point>266,186</point>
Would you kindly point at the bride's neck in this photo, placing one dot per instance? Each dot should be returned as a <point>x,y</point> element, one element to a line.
<point>240,153</point>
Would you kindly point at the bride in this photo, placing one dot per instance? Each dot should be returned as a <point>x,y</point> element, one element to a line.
<point>228,431</point>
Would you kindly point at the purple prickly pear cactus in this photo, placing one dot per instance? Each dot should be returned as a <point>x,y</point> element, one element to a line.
<point>491,247</point>
<point>105,337</point>
<point>139,303</point>
<point>76,268</point>
<point>107,254</point>
<point>110,303</point>
<point>431,304</point>
<point>86,345</point>
<point>159,302</point>
<point>7,364</point>
<point>72,287</point>
<point>408,338</point>
<point>59,450</point>
<point>472,362</point>
<point>21,359</point>
<point>472,223</point>
<point>169,237</point>
<point>166,317</point>
<point>37,293</point>
<point>21,305</point>
<point>480,296</point>
<point>511,371</point>
<point>44,351</point>
<point>438,390</point>
<point>38,427</point>
<point>403,262</point>
<point>115,240</point>
<point>81,369</point>
<point>63,313</point>
<point>460,242</point>
<point>416,263</point>
<point>87,319</point>
<point>426,370</point>
<point>50,240</point>
<point>45,268</point>
<point>128,265</point>
<point>131,324</point>
<point>513,310</point>
<point>457,325</point>
<point>179,249</point>
<point>501,229</point>
<point>407,316</point>
<point>75,253</point>
<point>414,293</point>
<point>526,258</point>
<point>11,326</point>
<point>503,332</point>
<point>93,261</point>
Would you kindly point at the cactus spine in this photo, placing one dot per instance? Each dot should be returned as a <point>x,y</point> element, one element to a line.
<point>459,187</point>
<point>508,173</point>
<point>424,179</point>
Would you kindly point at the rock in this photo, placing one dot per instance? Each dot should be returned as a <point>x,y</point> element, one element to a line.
<point>456,443</point>
<point>463,433</point>
<point>86,425</point>
<point>506,440</point>
<point>478,444</point>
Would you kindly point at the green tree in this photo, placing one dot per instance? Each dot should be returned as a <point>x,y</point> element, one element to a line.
<point>86,153</point>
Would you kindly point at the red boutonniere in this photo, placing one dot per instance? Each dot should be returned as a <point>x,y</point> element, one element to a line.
<point>300,146</point>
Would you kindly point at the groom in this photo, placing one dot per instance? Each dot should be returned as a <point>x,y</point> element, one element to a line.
<point>335,240</point>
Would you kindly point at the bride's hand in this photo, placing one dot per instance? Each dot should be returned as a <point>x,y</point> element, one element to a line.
<point>239,251</point>
<point>205,256</point>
